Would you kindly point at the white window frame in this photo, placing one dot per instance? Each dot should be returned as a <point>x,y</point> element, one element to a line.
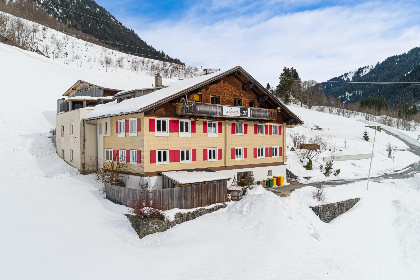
<point>275,127</point>
<point>71,155</point>
<point>111,155</point>
<point>263,129</point>
<point>275,148</point>
<point>132,126</point>
<point>100,128</point>
<point>62,130</point>
<point>185,152</point>
<point>162,133</point>
<point>121,128</point>
<point>240,155</point>
<point>122,156</point>
<point>239,126</point>
<point>212,151</point>
<point>182,124</point>
<point>211,124</point>
<point>167,156</point>
<point>133,157</point>
<point>71,129</point>
<point>261,152</point>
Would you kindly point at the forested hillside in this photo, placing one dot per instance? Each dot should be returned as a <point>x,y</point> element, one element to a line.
<point>398,68</point>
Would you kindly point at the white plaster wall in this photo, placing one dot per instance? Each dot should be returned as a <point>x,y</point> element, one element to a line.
<point>154,182</point>
<point>90,147</point>
<point>260,173</point>
<point>101,151</point>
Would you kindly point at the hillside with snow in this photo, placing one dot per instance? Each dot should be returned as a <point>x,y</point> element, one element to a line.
<point>56,223</point>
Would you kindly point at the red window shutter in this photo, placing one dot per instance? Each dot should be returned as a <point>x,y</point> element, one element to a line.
<point>233,128</point>
<point>255,152</point>
<point>280,129</point>
<point>113,155</point>
<point>255,128</point>
<point>266,129</point>
<point>193,127</point>
<point>172,157</point>
<point>138,156</point>
<point>204,154</point>
<point>116,127</point>
<point>138,124</point>
<point>266,152</point>
<point>194,155</point>
<point>127,155</point>
<point>219,154</point>
<point>173,125</point>
<point>127,126</point>
<point>246,128</point>
<point>153,156</point>
<point>178,155</point>
<point>271,151</point>
<point>117,154</point>
<point>280,151</point>
<point>245,153</point>
<point>204,127</point>
<point>271,129</point>
<point>152,125</point>
<point>219,127</point>
<point>232,153</point>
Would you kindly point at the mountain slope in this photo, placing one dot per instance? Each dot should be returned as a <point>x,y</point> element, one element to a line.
<point>398,68</point>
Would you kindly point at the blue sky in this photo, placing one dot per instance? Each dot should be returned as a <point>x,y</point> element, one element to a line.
<point>321,39</point>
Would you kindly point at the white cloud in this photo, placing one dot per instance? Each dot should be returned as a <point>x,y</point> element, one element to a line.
<point>320,44</point>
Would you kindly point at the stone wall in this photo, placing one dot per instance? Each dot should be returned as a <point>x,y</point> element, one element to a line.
<point>328,212</point>
<point>146,226</point>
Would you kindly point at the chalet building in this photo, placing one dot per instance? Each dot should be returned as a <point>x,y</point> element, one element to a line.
<point>224,122</point>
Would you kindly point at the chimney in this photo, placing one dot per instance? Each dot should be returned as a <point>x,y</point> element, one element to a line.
<point>158,80</point>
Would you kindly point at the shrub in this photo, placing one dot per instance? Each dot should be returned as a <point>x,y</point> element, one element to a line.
<point>336,172</point>
<point>141,210</point>
<point>319,194</point>
<point>328,168</point>
<point>308,166</point>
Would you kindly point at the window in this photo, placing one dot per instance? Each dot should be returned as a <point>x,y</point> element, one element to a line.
<point>275,129</point>
<point>100,128</point>
<point>184,128</point>
<point>122,156</point>
<point>162,127</point>
<point>275,152</point>
<point>133,127</point>
<point>197,97</point>
<point>133,156</point>
<point>212,154</point>
<point>71,155</point>
<point>62,153</point>
<point>121,128</point>
<point>212,129</point>
<point>260,152</point>
<point>108,155</point>
<point>162,156</point>
<point>261,128</point>
<point>251,103</point>
<point>270,173</point>
<point>215,99</point>
<point>186,155</point>
<point>71,129</point>
<point>239,153</point>
<point>239,128</point>
<point>237,102</point>
<point>106,127</point>
<point>62,131</point>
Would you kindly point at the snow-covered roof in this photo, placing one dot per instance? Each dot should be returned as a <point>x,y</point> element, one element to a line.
<point>187,177</point>
<point>137,104</point>
<point>90,98</point>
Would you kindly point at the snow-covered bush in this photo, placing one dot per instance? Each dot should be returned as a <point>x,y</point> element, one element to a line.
<point>141,210</point>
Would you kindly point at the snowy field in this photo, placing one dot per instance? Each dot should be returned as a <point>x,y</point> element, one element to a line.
<point>55,223</point>
<point>344,136</point>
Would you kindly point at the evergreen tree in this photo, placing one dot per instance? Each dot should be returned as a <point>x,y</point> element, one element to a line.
<point>289,81</point>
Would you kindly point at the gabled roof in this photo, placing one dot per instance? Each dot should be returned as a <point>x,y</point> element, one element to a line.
<point>178,89</point>
<point>80,82</point>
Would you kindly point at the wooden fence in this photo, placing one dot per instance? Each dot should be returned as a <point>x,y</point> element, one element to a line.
<point>183,197</point>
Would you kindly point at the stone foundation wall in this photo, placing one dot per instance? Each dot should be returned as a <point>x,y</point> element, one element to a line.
<point>146,226</point>
<point>328,212</point>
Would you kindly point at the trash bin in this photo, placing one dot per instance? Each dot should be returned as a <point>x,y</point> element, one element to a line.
<point>274,181</point>
<point>271,182</point>
<point>278,181</point>
<point>282,181</point>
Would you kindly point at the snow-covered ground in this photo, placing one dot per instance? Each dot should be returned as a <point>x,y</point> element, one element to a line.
<point>55,223</point>
<point>344,136</point>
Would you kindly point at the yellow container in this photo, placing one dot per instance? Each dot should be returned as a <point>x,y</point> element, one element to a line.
<point>274,182</point>
<point>281,181</point>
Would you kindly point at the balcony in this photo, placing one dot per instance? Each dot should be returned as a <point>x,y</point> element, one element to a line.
<point>220,111</point>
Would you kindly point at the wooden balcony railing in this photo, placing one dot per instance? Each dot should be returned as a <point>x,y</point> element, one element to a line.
<point>216,110</point>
